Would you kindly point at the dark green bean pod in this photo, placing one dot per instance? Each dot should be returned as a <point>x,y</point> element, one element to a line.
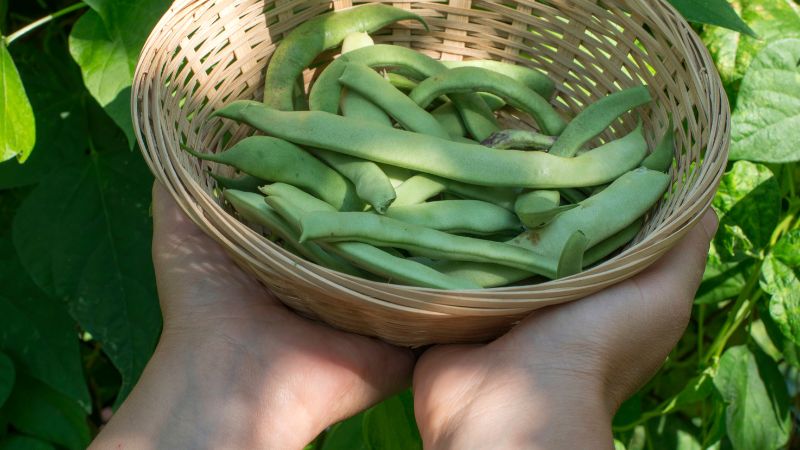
<point>246,183</point>
<point>274,159</point>
<point>301,46</point>
<point>662,157</point>
<point>596,118</point>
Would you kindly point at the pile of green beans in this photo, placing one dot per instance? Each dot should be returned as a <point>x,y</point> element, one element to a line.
<point>393,166</point>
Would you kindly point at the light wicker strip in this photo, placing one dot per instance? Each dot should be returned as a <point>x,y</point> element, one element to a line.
<point>206,53</point>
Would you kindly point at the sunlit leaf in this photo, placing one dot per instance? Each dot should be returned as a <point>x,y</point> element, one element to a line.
<point>713,12</point>
<point>17,124</point>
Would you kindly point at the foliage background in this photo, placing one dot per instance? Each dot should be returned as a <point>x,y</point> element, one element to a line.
<point>79,315</point>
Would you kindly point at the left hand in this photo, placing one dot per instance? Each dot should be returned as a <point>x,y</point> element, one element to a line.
<point>235,368</point>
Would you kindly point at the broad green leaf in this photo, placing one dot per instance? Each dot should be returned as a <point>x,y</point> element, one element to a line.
<point>7,376</point>
<point>696,390</point>
<point>17,124</point>
<point>787,249</point>
<point>24,443</point>
<point>37,331</point>
<point>782,283</point>
<point>390,425</point>
<point>39,411</point>
<point>84,236</point>
<point>106,42</point>
<point>713,12</point>
<point>757,411</point>
<point>749,204</point>
<point>58,97</point>
<point>766,122</point>
<point>348,434</point>
<point>672,432</point>
<point>771,20</point>
<point>721,281</point>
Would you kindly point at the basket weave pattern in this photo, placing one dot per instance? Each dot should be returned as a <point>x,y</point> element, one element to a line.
<point>204,54</point>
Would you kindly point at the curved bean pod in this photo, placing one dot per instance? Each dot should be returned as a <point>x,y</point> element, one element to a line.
<point>371,184</point>
<point>418,189</point>
<point>450,119</point>
<point>273,159</point>
<point>531,78</point>
<point>467,163</point>
<point>383,231</point>
<point>300,47</point>
<point>472,79</point>
<point>378,90</point>
<point>292,204</point>
<point>662,157</point>
<point>597,117</point>
<point>253,208</point>
<point>612,244</point>
<point>519,140</point>
<point>571,260</point>
<point>401,82</point>
<point>246,183</point>
<point>326,92</point>
<point>353,104</point>
<point>457,216</point>
<point>422,187</point>
<point>538,208</point>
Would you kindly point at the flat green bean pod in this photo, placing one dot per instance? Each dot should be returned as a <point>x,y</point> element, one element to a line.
<point>531,78</point>
<point>274,159</point>
<point>326,92</point>
<point>571,260</point>
<point>353,104</point>
<point>246,183</point>
<point>252,208</point>
<point>597,117</point>
<point>662,157</point>
<point>383,231</point>
<point>448,116</point>
<point>292,204</point>
<point>418,189</point>
<point>378,90</point>
<point>401,82</point>
<point>467,163</point>
<point>371,184</point>
<point>612,244</point>
<point>458,216</point>
<point>473,79</point>
<point>299,49</point>
<point>519,140</point>
<point>538,208</point>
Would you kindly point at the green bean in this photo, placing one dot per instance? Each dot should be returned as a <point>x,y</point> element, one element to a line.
<point>353,104</point>
<point>612,244</point>
<point>386,232</point>
<point>662,157</point>
<point>573,195</point>
<point>606,219</point>
<point>397,175</point>
<point>326,92</point>
<point>467,163</point>
<point>273,159</point>
<point>597,117</point>
<point>457,216</point>
<point>299,99</point>
<point>422,187</point>
<point>246,183</point>
<point>531,78</point>
<point>371,184</point>
<point>471,79</point>
<point>538,208</point>
<point>306,41</point>
<point>418,189</point>
<point>293,204</point>
<point>448,116</point>
<point>401,82</point>
<point>252,208</point>
<point>519,140</point>
<point>571,260</point>
<point>378,90</point>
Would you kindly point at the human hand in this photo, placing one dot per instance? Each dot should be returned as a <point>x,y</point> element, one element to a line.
<point>234,368</point>
<point>556,380</point>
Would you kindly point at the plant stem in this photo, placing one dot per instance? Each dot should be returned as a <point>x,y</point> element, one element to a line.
<point>44,20</point>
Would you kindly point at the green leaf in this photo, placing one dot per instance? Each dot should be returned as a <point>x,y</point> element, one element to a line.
<point>39,411</point>
<point>781,282</point>
<point>766,122</point>
<point>58,97</point>
<point>390,425</point>
<point>757,411</point>
<point>37,331</point>
<point>17,124</point>
<point>84,236</point>
<point>787,249</point>
<point>7,376</point>
<point>106,42</point>
<point>696,390</point>
<point>24,443</point>
<point>348,434</point>
<point>749,204</point>
<point>712,12</point>
<point>771,20</point>
<point>721,281</point>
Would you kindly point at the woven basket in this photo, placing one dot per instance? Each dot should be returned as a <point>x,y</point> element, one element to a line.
<point>204,54</point>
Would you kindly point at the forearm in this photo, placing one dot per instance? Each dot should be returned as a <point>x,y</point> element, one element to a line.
<point>206,398</point>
